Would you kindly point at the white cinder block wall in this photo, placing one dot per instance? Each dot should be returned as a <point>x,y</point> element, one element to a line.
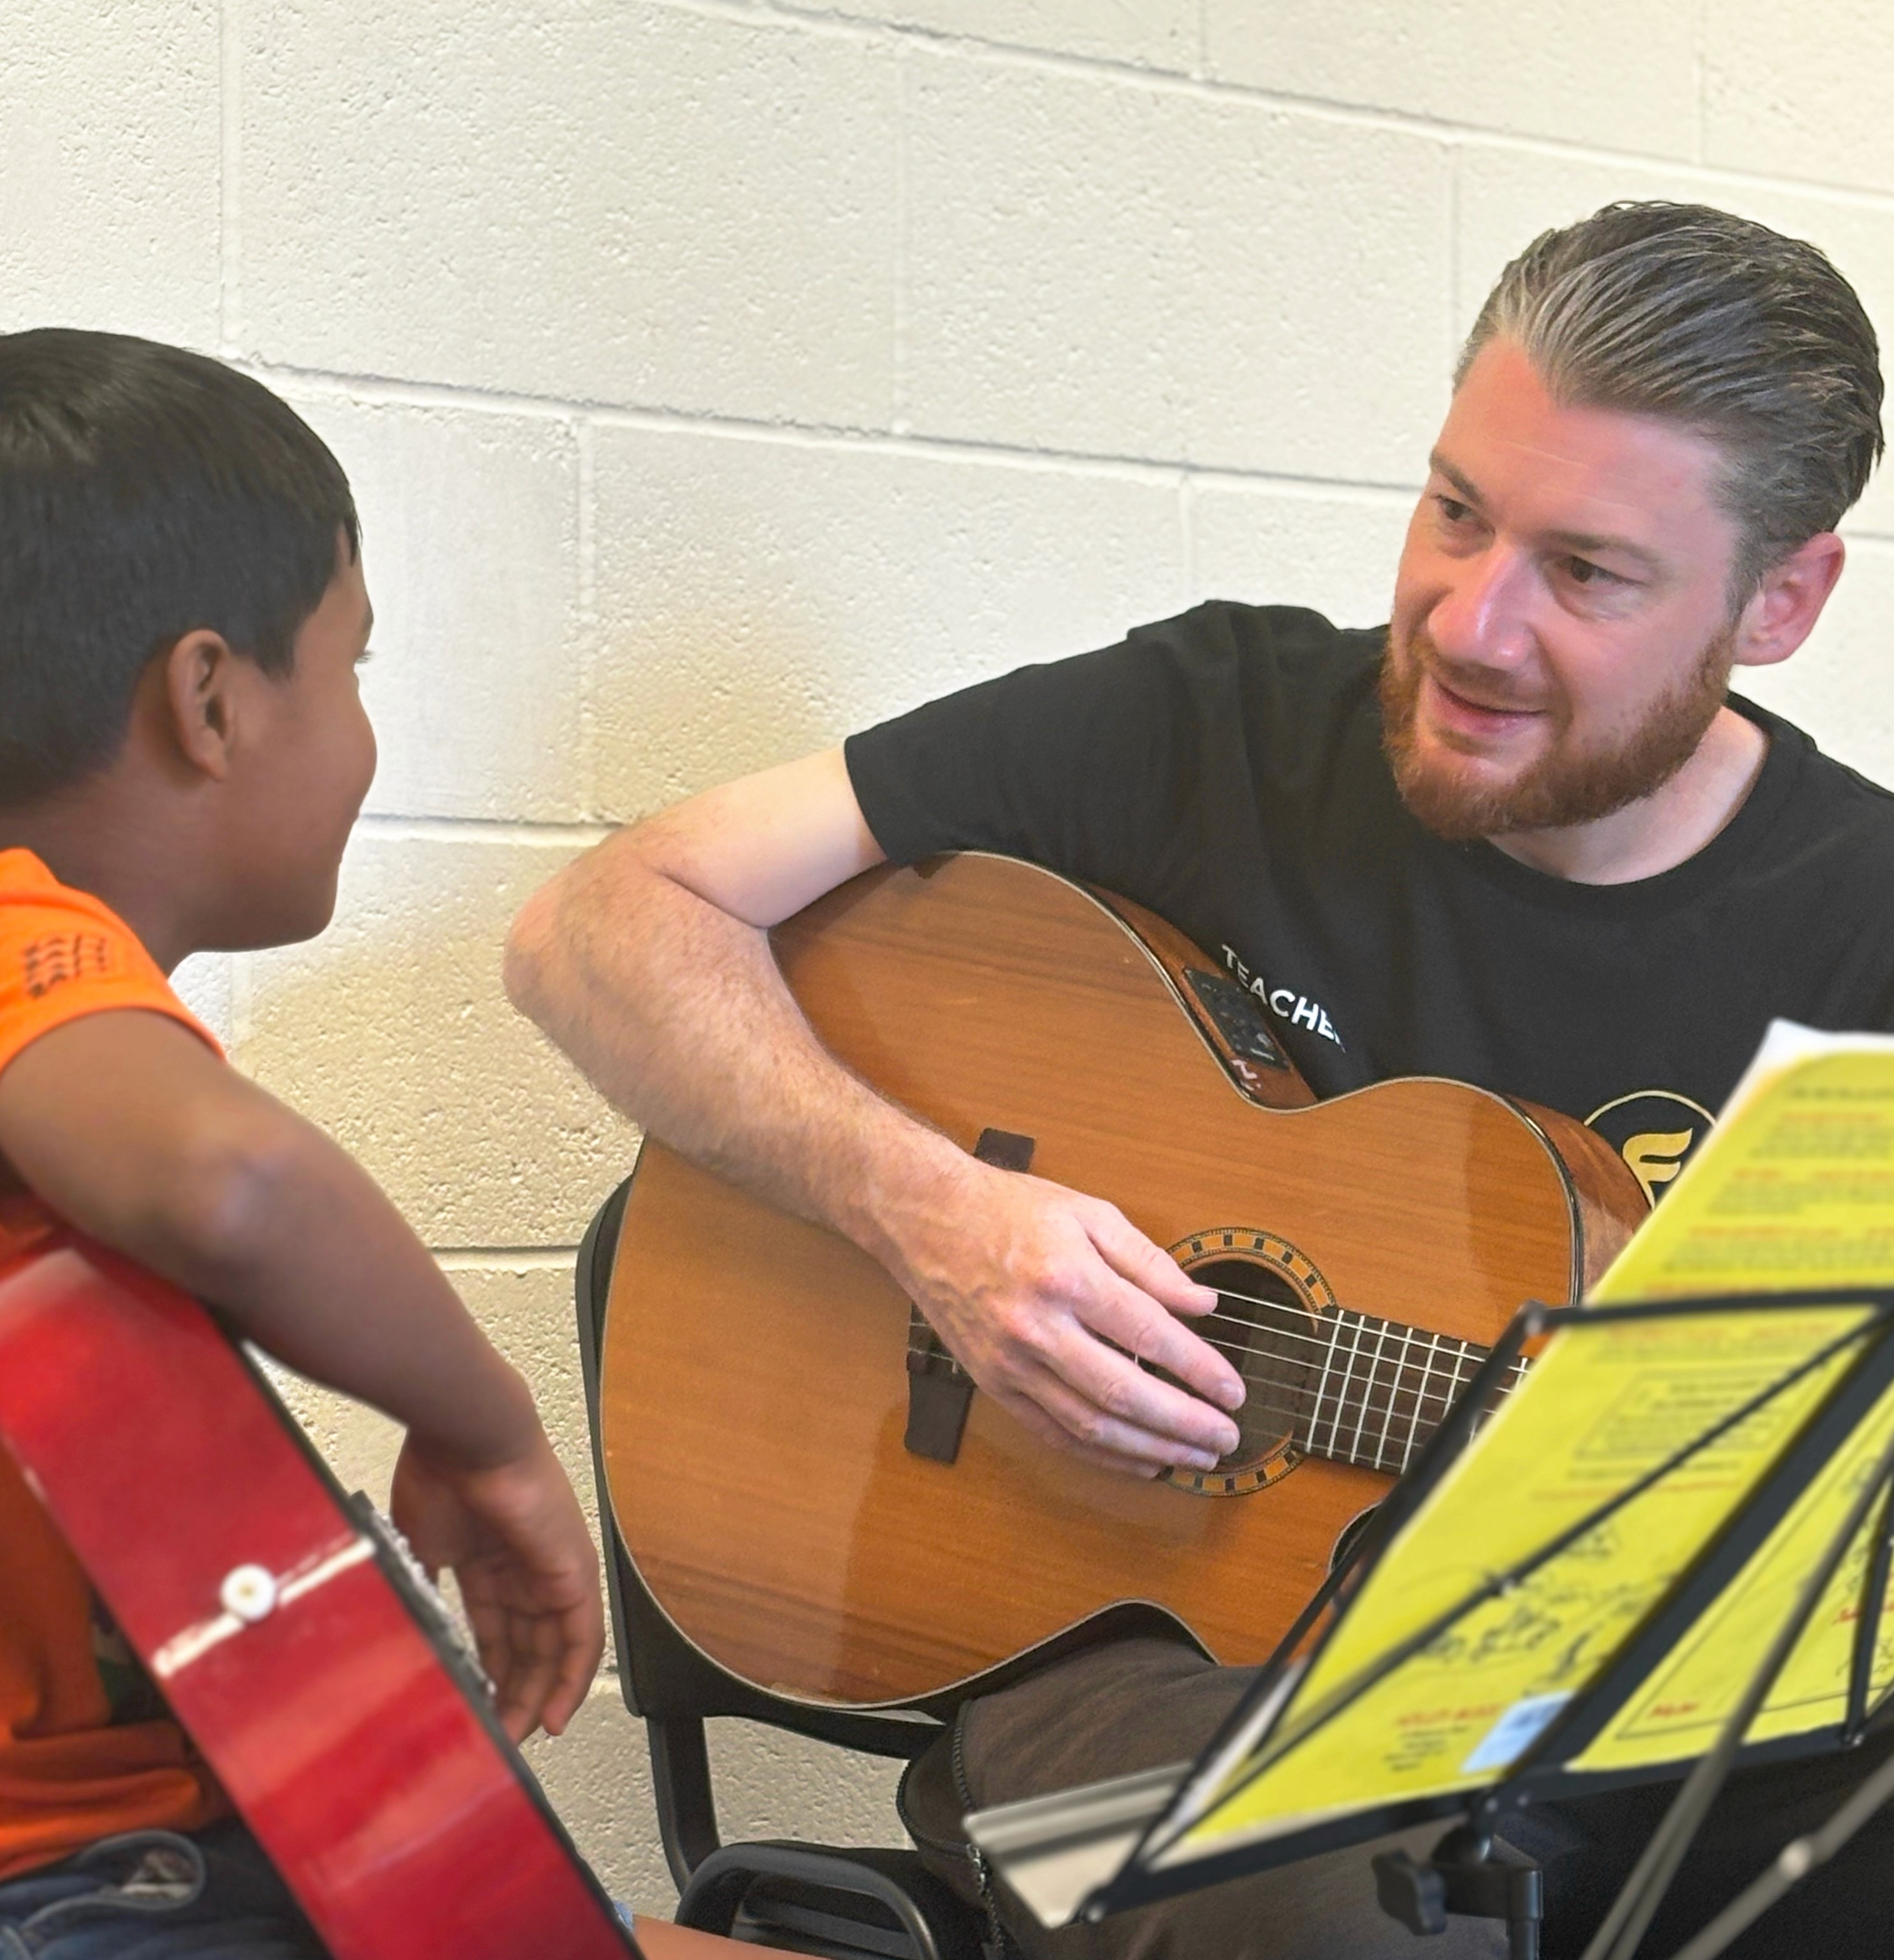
<point>718,377</point>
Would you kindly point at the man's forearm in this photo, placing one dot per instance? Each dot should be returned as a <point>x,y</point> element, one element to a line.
<point>678,1014</point>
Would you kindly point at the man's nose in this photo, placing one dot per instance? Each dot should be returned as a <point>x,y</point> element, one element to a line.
<point>1485,613</point>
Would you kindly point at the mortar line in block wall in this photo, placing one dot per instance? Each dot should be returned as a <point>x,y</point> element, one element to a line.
<point>230,60</point>
<point>589,653</point>
<point>1456,237</point>
<point>1173,81</point>
<point>1712,178</point>
<point>1161,470</point>
<point>410,827</point>
<point>380,390</point>
<point>1187,535</point>
<point>1702,11</point>
<point>505,1258</point>
<point>1155,470</point>
<point>898,416</point>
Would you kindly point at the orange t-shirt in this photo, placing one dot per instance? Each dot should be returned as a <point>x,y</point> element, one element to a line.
<point>86,1748</point>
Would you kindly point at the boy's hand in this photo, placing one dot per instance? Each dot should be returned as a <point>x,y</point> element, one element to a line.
<point>514,1538</point>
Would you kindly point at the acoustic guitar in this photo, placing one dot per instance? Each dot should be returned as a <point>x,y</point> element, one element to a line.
<point>311,1665</point>
<point>807,1482</point>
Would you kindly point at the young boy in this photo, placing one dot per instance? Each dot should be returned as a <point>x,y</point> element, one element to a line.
<point>183,752</point>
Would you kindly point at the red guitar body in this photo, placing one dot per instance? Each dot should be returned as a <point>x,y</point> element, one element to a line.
<point>281,1633</point>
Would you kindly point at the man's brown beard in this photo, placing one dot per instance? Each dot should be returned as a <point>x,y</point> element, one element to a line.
<point>1560,789</point>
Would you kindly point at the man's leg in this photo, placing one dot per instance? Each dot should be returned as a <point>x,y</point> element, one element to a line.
<point>1139,1704</point>
<point>1132,1706</point>
<point>1843,1911</point>
<point>154,1895</point>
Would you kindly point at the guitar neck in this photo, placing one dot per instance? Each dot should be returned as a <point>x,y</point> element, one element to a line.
<point>1370,1392</point>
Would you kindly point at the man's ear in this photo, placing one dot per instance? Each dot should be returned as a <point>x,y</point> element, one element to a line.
<point>1783,609</point>
<point>201,694</point>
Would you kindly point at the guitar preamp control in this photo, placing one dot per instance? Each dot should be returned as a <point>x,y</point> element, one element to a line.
<point>1236,1017</point>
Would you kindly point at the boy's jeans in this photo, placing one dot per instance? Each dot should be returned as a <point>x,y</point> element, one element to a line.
<point>154,1895</point>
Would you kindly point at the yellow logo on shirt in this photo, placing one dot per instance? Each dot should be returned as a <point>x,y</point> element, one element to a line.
<point>1654,1131</point>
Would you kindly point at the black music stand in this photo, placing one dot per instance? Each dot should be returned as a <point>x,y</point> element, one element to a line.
<point>1127,1834</point>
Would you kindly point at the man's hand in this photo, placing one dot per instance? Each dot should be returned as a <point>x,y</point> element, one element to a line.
<point>1049,1300</point>
<point>513,1537</point>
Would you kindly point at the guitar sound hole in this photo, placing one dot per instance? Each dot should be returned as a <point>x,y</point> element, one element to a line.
<point>1264,1327</point>
<point>1264,1331</point>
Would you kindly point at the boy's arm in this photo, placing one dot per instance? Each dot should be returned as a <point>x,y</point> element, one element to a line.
<point>125,1124</point>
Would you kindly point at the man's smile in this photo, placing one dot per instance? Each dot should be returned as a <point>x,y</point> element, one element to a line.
<point>1454,709</point>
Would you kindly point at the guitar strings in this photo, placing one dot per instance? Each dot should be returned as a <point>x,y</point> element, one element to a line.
<point>1368,1329</point>
<point>1346,1346</point>
<point>1422,1349</point>
<point>1377,1430</point>
<point>1396,1431</point>
<point>1425,1367</point>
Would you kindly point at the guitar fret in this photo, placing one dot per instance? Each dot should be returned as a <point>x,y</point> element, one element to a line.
<point>1322,1386</point>
<point>1394,1396</point>
<point>1367,1389</point>
<point>1378,1383</point>
<point>1420,1402</point>
<point>1348,1378</point>
<point>1459,1361</point>
<point>1334,1359</point>
<point>1381,1334</point>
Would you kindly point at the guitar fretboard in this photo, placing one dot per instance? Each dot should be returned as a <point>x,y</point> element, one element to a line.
<point>1351,1387</point>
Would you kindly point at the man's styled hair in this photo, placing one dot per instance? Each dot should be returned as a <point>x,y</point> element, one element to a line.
<point>145,492</point>
<point>1753,340</point>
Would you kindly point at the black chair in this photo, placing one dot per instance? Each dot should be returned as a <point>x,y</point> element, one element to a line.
<point>849,1904</point>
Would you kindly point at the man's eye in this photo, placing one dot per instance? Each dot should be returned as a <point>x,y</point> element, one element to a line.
<point>1584,572</point>
<point>1452,510</point>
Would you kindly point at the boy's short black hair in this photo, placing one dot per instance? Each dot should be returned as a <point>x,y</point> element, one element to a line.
<point>145,492</point>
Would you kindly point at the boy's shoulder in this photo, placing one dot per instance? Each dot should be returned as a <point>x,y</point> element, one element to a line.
<point>64,952</point>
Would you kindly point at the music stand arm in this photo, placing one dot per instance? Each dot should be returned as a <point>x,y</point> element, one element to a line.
<point>1792,1864</point>
<point>1631,1913</point>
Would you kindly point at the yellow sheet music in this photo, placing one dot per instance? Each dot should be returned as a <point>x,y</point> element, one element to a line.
<point>1794,1188</point>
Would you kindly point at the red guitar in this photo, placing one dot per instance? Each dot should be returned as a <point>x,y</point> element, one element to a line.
<point>282,1628</point>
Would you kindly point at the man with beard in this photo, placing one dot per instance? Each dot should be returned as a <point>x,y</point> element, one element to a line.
<point>1523,836</point>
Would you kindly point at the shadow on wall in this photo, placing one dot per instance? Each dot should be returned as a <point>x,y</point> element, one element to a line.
<point>687,701</point>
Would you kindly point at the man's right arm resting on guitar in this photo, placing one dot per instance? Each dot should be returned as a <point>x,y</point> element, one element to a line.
<point>648,961</point>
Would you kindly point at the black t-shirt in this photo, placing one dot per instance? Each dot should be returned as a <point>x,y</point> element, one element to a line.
<point>1225,769</point>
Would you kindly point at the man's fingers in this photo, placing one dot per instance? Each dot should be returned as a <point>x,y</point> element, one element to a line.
<point>1125,1315</point>
<point>1104,1399</point>
<point>1149,1268</point>
<point>1038,1300</point>
<point>1058,1416</point>
<point>1122,1393</point>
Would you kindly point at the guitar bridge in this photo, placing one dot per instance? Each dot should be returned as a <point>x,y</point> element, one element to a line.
<point>940,1390</point>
